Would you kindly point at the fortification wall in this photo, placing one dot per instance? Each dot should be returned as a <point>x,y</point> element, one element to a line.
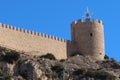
<point>33,43</point>
<point>88,38</point>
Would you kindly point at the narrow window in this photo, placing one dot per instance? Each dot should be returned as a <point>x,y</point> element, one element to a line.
<point>91,34</point>
<point>100,53</point>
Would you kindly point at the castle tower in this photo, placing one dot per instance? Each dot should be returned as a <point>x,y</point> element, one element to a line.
<point>88,37</point>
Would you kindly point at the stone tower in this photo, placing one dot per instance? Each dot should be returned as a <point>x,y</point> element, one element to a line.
<point>88,37</point>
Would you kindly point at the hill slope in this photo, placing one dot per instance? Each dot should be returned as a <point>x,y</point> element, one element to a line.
<point>19,66</point>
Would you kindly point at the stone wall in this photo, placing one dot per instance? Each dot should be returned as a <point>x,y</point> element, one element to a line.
<point>88,38</point>
<point>33,43</point>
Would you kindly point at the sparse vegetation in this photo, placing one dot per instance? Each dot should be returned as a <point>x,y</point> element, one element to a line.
<point>48,56</point>
<point>4,76</point>
<point>3,49</point>
<point>98,74</point>
<point>58,69</point>
<point>113,60</point>
<point>106,57</point>
<point>9,56</point>
<point>62,60</point>
<point>79,72</point>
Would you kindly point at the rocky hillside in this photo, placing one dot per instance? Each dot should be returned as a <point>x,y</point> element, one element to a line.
<point>18,66</point>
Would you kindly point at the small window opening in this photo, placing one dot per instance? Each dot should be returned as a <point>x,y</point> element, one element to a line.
<point>91,34</point>
<point>100,53</point>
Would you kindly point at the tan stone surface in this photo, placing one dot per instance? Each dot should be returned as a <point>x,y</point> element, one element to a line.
<point>32,42</point>
<point>88,38</point>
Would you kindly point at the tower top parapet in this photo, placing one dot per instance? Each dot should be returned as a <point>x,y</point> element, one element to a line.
<point>87,21</point>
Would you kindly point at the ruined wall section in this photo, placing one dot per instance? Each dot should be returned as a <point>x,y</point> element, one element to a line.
<point>33,43</point>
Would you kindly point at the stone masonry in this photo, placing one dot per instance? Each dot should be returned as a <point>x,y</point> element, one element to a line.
<point>32,42</point>
<point>87,39</point>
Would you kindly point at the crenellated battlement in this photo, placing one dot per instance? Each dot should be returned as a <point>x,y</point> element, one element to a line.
<point>87,39</point>
<point>95,21</point>
<point>25,31</point>
<point>87,21</point>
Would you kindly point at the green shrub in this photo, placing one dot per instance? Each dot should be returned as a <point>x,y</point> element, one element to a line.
<point>48,56</point>
<point>54,76</point>
<point>62,60</point>
<point>3,49</point>
<point>113,60</point>
<point>10,56</point>
<point>79,72</point>
<point>104,75</point>
<point>4,76</point>
<point>90,73</point>
<point>99,74</point>
<point>58,69</point>
<point>106,57</point>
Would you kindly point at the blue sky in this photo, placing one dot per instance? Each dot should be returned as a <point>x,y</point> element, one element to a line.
<point>55,16</point>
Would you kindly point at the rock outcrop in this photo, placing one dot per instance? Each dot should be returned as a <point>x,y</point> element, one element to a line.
<point>78,67</point>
